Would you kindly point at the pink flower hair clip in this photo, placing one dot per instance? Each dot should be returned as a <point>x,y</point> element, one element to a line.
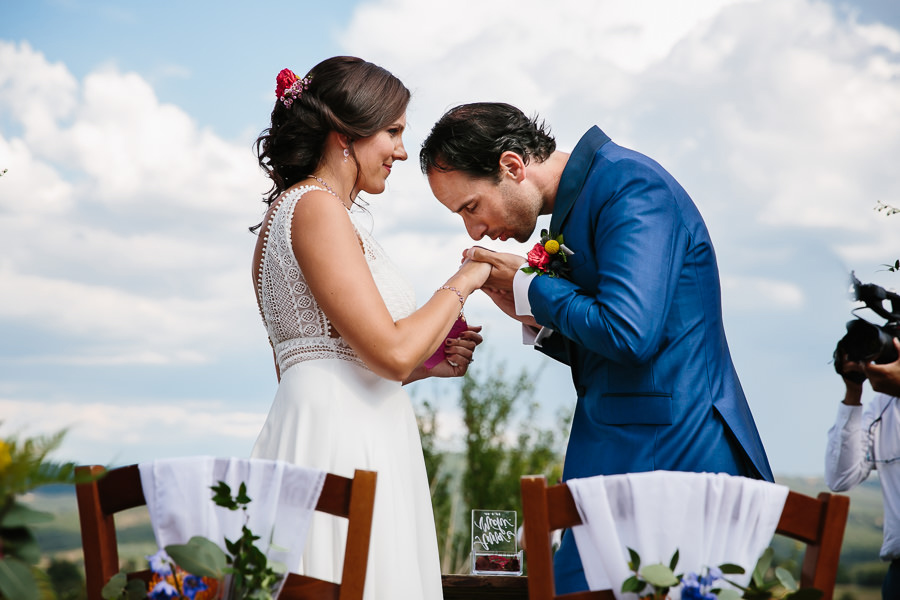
<point>289,87</point>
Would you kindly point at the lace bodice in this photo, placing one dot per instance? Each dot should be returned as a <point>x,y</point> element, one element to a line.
<point>297,327</point>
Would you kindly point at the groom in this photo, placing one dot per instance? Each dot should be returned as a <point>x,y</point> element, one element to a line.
<point>638,314</point>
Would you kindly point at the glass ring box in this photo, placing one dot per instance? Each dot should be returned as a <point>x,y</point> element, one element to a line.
<point>494,543</point>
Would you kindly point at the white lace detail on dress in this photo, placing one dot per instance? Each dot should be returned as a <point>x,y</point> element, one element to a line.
<point>297,327</point>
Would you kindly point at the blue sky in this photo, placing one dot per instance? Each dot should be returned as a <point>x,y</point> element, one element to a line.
<point>127,312</point>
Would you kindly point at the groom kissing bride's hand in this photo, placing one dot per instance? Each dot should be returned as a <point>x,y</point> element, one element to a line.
<point>631,301</point>
<point>499,285</point>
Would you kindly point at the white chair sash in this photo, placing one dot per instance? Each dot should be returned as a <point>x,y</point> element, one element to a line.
<point>283,499</point>
<point>709,518</point>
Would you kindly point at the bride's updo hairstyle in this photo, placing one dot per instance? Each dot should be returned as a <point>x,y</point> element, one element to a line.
<point>343,94</point>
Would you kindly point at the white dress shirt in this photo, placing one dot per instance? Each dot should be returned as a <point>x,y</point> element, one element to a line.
<point>521,283</point>
<point>863,439</point>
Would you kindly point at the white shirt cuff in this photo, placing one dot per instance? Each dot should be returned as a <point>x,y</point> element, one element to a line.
<point>521,283</point>
<point>529,335</point>
<point>849,416</point>
<point>542,335</point>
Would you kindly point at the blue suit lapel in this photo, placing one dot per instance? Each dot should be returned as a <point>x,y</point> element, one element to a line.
<point>574,175</point>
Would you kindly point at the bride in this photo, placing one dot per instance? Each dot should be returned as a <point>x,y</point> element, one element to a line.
<point>343,322</point>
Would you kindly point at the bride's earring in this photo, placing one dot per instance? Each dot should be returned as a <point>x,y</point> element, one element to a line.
<point>346,154</point>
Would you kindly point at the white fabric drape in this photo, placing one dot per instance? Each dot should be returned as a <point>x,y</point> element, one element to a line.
<point>283,499</point>
<point>709,518</point>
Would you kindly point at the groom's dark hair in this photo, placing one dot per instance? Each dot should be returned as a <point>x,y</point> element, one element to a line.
<point>471,137</point>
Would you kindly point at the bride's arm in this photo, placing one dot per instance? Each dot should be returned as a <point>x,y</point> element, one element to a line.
<point>329,254</point>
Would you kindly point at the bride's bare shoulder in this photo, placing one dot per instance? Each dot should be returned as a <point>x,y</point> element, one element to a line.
<point>313,202</point>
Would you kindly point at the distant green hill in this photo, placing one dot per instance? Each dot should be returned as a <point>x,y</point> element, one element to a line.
<point>61,538</point>
<point>860,565</point>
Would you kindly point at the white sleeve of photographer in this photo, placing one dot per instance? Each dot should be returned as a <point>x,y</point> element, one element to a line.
<point>846,462</point>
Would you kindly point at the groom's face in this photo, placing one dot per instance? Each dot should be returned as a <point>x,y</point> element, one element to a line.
<point>500,211</point>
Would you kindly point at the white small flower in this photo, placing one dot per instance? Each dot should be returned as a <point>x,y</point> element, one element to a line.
<point>164,589</point>
<point>160,563</point>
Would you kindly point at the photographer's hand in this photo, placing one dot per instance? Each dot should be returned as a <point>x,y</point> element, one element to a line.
<point>853,393</point>
<point>885,378</point>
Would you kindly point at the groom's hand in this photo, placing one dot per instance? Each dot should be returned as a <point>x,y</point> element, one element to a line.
<point>505,302</point>
<point>503,266</point>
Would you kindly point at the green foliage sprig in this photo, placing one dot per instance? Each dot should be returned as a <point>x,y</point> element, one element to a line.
<point>24,466</point>
<point>886,208</point>
<point>889,210</point>
<point>782,586</point>
<point>893,267</point>
<point>252,576</point>
<point>653,582</point>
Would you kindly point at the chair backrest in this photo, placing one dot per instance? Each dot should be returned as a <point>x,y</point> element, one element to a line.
<point>113,491</point>
<point>544,510</point>
<point>817,522</point>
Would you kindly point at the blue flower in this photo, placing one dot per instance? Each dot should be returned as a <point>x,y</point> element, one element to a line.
<point>160,563</point>
<point>694,593</point>
<point>193,584</point>
<point>694,587</point>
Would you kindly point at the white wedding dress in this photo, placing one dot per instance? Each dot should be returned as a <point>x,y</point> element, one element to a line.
<point>332,413</point>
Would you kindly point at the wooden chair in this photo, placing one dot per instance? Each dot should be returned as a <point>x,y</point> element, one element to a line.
<point>544,510</point>
<point>817,522</point>
<point>110,492</point>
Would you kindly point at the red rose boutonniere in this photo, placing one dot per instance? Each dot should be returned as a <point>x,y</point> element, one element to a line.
<point>548,257</point>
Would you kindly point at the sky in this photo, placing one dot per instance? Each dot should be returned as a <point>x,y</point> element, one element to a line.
<point>127,312</point>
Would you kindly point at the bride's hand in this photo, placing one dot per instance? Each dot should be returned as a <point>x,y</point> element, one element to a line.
<point>478,272</point>
<point>504,266</point>
<point>459,352</point>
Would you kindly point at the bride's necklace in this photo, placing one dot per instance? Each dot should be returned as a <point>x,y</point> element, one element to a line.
<point>327,187</point>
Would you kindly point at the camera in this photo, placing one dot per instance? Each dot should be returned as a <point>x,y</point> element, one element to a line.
<point>865,341</point>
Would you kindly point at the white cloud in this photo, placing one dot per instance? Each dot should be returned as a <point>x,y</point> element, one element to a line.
<point>96,432</point>
<point>33,90</point>
<point>754,293</point>
<point>20,196</point>
<point>124,225</point>
<point>121,325</point>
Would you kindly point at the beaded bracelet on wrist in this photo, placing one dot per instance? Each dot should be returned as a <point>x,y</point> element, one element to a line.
<point>462,301</point>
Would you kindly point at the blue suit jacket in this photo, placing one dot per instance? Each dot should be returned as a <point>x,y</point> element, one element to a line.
<point>639,321</point>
